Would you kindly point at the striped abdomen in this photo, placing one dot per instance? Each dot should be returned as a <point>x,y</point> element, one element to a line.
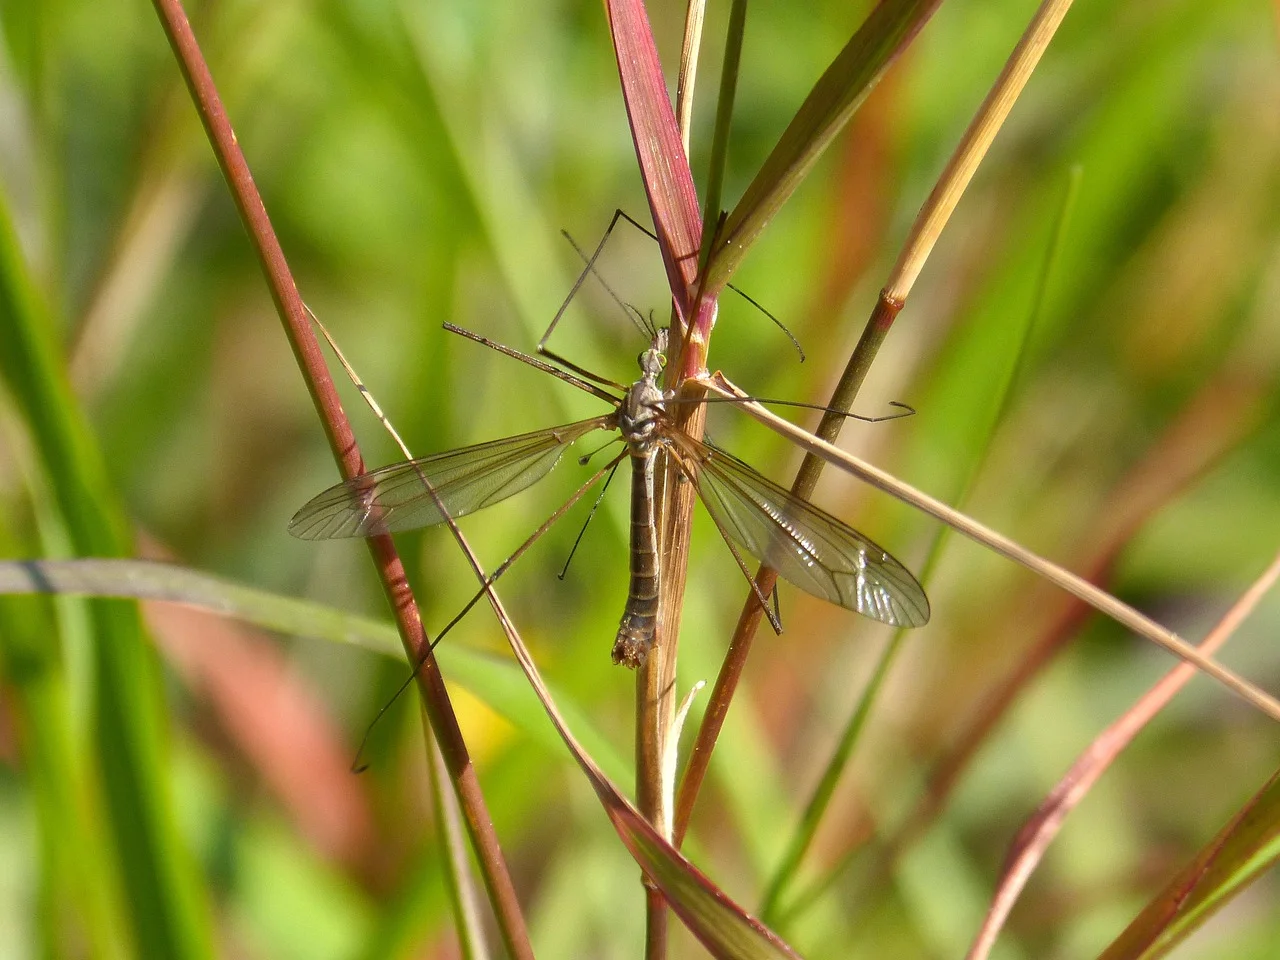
<point>635,632</point>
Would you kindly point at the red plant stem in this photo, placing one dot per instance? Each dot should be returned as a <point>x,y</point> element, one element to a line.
<point>346,452</point>
<point>882,316</point>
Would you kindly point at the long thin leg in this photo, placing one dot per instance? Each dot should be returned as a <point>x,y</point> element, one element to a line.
<point>743,294</point>
<point>689,475</point>
<point>498,571</point>
<point>635,316</point>
<point>520,551</point>
<point>359,384</point>
<point>585,523</point>
<point>537,364</point>
<point>618,214</point>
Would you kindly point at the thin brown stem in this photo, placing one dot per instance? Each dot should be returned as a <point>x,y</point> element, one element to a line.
<point>973,146</point>
<point>928,226</point>
<point>1031,842</point>
<point>873,335</point>
<point>1077,586</point>
<point>346,452</point>
<point>657,696</point>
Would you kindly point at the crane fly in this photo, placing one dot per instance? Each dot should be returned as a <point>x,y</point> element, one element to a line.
<point>806,546</point>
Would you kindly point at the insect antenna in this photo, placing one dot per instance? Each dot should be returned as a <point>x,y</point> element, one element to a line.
<point>904,410</point>
<point>564,571</point>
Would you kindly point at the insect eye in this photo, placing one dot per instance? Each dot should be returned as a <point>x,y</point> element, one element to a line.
<point>662,361</point>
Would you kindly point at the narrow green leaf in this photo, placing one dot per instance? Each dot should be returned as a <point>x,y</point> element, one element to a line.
<point>81,904</point>
<point>459,882</point>
<point>496,682</point>
<point>169,916</point>
<point>995,356</point>
<point>885,33</point>
<point>1245,848</point>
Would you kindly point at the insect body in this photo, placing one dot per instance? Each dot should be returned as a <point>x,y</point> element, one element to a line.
<point>640,416</point>
<point>807,546</point>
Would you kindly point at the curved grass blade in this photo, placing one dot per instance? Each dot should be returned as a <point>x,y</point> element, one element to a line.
<point>1245,848</point>
<point>808,547</point>
<point>411,494</point>
<point>494,681</point>
<point>885,33</point>
<point>724,928</point>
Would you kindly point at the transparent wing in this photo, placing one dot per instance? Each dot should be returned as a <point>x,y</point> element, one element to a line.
<point>399,496</point>
<point>807,546</point>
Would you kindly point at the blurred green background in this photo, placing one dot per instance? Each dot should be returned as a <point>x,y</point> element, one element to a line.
<point>419,160</point>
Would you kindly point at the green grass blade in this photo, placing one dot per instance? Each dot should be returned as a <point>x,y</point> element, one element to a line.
<point>169,917</point>
<point>888,30</point>
<point>978,425</point>
<point>724,115</point>
<point>80,900</point>
<point>464,898</point>
<point>1245,848</point>
<point>497,682</point>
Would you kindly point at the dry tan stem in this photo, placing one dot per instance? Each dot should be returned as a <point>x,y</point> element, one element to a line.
<point>929,223</point>
<point>1034,838</point>
<point>973,147</point>
<point>694,15</point>
<point>657,698</point>
<point>1100,600</point>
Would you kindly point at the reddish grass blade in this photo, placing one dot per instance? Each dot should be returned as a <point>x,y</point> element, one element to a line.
<point>724,928</point>
<point>1213,424</point>
<point>1246,848</point>
<point>888,30</point>
<point>1035,836</point>
<point>668,182</point>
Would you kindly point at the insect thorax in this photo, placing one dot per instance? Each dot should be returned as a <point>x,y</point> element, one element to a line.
<point>642,407</point>
<point>639,415</point>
